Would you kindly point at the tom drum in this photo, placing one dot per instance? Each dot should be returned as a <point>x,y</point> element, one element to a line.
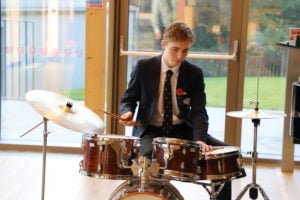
<point>223,162</point>
<point>177,158</point>
<point>108,156</point>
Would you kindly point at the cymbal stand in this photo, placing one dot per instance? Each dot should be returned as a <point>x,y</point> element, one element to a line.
<point>254,187</point>
<point>45,136</point>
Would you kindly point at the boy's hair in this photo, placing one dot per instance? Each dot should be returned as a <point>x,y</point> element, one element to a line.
<point>179,31</point>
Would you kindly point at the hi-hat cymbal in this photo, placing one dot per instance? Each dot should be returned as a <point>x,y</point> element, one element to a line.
<point>65,112</point>
<point>254,114</point>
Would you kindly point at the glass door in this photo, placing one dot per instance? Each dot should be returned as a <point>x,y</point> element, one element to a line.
<point>211,23</point>
<point>266,69</point>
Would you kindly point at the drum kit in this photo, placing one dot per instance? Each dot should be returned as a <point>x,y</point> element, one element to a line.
<point>117,157</point>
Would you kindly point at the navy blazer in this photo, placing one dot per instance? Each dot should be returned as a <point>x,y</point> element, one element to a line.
<point>143,91</point>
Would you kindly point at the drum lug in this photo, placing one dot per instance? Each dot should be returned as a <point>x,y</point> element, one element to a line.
<point>239,161</point>
<point>80,165</point>
<point>135,150</point>
<point>182,165</point>
<point>125,193</point>
<point>183,151</point>
<point>198,170</point>
<point>101,147</point>
<point>161,193</point>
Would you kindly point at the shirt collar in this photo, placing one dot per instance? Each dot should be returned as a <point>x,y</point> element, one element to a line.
<point>165,68</point>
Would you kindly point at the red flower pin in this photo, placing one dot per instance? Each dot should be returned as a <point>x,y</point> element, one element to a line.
<point>180,92</point>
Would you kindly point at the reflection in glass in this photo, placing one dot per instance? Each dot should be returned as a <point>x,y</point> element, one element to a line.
<point>269,22</point>
<point>210,21</point>
<point>42,48</point>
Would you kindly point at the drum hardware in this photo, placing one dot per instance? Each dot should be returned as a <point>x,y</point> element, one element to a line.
<point>255,115</point>
<point>62,111</point>
<point>144,169</point>
<point>45,138</point>
<point>210,187</point>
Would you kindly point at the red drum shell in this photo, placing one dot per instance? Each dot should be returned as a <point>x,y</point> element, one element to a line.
<point>222,163</point>
<point>108,156</point>
<point>177,158</point>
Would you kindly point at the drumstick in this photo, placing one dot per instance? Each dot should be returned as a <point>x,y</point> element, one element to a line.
<point>112,115</point>
<point>115,116</point>
<point>218,147</point>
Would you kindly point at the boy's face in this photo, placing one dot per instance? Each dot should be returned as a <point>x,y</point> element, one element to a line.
<point>175,51</point>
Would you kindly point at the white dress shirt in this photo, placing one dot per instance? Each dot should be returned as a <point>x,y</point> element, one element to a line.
<point>157,117</point>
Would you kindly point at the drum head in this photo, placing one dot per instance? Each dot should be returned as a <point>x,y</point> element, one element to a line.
<point>223,150</point>
<point>153,189</point>
<point>175,141</point>
<point>141,195</point>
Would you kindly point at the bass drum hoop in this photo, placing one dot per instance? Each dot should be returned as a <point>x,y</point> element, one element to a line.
<point>123,192</point>
<point>104,176</point>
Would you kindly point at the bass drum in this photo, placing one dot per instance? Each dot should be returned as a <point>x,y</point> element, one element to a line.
<point>153,189</point>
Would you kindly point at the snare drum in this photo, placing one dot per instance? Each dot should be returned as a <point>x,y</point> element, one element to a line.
<point>223,162</point>
<point>152,189</point>
<point>177,158</point>
<point>108,156</point>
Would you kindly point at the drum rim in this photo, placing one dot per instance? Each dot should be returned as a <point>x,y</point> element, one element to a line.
<point>236,149</point>
<point>106,176</point>
<point>110,136</point>
<point>167,140</point>
<point>155,180</point>
<point>180,176</point>
<point>219,176</point>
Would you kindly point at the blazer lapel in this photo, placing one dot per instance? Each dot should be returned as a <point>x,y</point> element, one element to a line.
<point>181,85</point>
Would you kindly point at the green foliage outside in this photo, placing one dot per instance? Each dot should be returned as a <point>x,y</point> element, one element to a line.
<point>271,92</point>
<point>75,94</point>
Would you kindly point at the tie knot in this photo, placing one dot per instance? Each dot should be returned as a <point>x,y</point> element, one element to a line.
<point>169,73</point>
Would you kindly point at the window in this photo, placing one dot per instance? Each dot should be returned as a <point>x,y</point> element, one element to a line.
<point>43,48</point>
<point>210,21</point>
<point>269,23</point>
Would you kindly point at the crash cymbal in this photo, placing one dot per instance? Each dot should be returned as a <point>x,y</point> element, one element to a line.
<point>254,114</point>
<point>65,112</point>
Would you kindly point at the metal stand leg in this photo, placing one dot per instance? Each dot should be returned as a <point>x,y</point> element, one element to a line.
<point>213,194</point>
<point>253,187</point>
<point>45,135</point>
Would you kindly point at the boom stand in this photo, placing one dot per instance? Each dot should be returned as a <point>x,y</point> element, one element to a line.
<point>253,192</point>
